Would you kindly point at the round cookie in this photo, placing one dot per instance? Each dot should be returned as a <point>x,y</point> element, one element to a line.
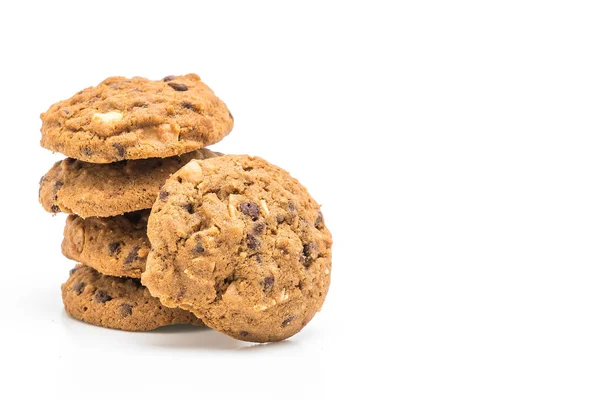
<point>105,190</point>
<point>117,303</point>
<point>116,246</point>
<point>126,119</point>
<point>242,245</point>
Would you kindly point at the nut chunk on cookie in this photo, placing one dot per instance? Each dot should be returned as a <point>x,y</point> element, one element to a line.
<point>117,303</point>
<point>127,119</point>
<point>242,245</point>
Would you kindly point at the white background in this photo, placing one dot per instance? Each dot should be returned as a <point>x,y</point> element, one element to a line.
<point>455,149</point>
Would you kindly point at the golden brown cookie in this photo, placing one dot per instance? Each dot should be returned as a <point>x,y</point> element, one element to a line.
<point>116,246</point>
<point>127,119</point>
<point>117,303</point>
<point>242,245</point>
<point>104,190</point>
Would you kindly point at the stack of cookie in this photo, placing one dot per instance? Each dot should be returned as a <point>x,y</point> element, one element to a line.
<point>169,232</point>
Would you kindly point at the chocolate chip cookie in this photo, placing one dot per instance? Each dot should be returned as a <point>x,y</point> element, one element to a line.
<point>116,246</point>
<point>104,190</point>
<point>126,119</point>
<point>117,303</point>
<point>242,245</point>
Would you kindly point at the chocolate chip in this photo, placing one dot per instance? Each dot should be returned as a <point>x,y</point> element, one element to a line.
<point>188,105</point>
<point>287,321</point>
<point>199,249</point>
<point>230,115</point>
<point>71,272</point>
<point>243,333</point>
<point>126,310</point>
<point>87,151</point>
<point>309,253</point>
<point>163,195</point>
<point>102,297</point>
<point>55,208</point>
<point>310,250</point>
<point>280,219</point>
<point>120,149</point>
<point>291,206</point>
<point>253,241</point>
<point>66,111</point>
<point>58,185</point>
<point>78,287</point>
<point>319,221</point>
<point>180,87</point>
<point>257,257</point>
<point>189,207</point>
<point>268,283</point>
<point>250,209</point>
<point>133,254</point>
<point>114,248</point>
<point>169,78</point>
<point>259,227</point>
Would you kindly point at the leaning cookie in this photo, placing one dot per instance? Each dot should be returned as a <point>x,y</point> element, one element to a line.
<point>126,119</point>
<point>105,190</point>
<point>116,246</point>
<point>242,245</point>
<point>117,303</point>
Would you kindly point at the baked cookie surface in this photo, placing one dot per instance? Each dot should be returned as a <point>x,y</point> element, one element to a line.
<point>105,190</point>
<point>136,118</point>
<point>116,246</point>
<point>242,245</point>
<point>117,303</point>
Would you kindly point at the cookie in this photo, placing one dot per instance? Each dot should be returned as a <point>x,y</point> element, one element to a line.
<point>105,190</point>
<point>242,245</point>
<point>116,246</point>
<point>127,119</point>
<point>117,303</point>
